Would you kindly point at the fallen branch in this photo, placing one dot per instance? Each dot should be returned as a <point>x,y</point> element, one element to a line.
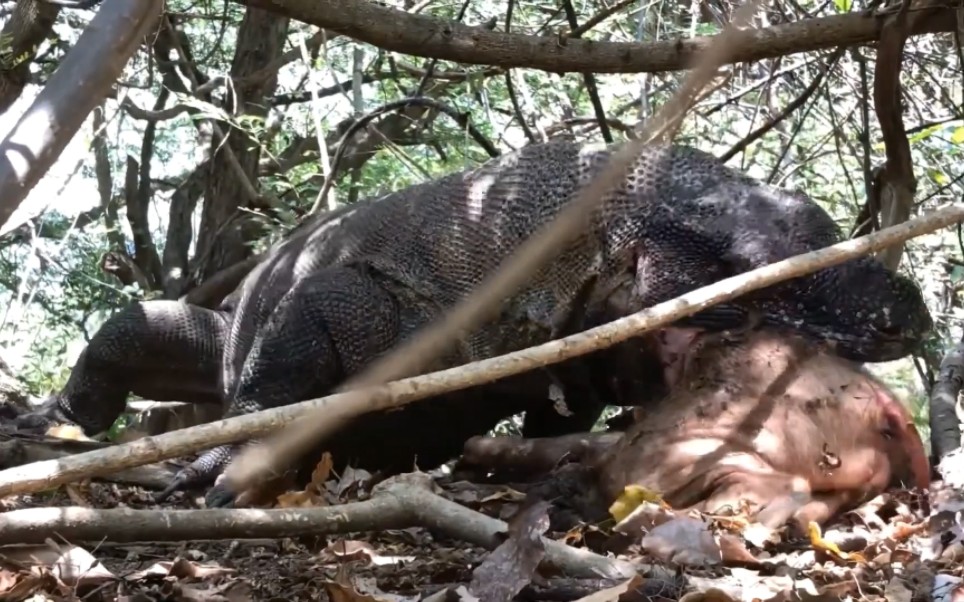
<point>283,448</point>
<point>400,502</point>
<point>945,421</point>
<point>78,85</point>
<point>527,458</point>
<point>328,413</point>
<point>17,449</point>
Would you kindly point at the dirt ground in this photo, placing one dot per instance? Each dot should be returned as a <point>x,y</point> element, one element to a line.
<point>889,549</point>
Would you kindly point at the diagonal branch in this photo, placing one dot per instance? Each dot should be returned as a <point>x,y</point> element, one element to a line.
<point>587,77</point>
<point>75,88</point>
<point>333,410</point>
<point>417,101</point>
<point>286,446</point>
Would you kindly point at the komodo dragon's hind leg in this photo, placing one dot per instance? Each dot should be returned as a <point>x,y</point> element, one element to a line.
<point>160,350</point>
<point>573,379</point>
<point>326,328</point>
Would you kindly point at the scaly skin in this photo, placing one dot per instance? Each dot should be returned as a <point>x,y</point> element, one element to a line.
<point>313,312</point>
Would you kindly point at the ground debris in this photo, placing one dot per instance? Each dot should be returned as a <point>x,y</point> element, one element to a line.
<point>888,549</point>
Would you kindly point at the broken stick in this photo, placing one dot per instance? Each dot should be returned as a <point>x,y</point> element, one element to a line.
<point>398,503</point>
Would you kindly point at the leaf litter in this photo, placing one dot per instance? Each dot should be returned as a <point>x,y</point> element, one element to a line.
<point>887,549</point>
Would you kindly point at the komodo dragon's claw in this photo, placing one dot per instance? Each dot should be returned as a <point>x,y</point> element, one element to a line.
<point>41,419</point>
<point>220,496</point>
<point>205,469</point>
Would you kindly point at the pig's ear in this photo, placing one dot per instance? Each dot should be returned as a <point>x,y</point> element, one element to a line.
<point>898,426</point>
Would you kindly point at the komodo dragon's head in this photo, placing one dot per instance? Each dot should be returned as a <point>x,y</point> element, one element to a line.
<point>870,313</point>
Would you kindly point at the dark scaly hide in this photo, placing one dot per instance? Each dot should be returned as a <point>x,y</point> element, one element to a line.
<point>345,288</point>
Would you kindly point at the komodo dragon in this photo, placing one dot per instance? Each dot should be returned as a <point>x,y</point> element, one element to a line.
<point>330,298</point>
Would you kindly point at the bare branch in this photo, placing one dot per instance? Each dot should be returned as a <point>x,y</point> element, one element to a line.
<point>148,115</point>
<point>75,88</point>
<point>895,183</point>
<point>431,37</point>
<point>797,102</point>
<point>419,101</point>
<point>945,405</point>
<point>400,502</point>
<point>290,98</point>
<point>587,77</point>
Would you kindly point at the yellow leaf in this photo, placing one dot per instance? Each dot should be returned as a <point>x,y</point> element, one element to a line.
<point>818,542</point>
<point>958,136</point>
<point>631,497</point>
<point>300,499</point>
<point>68,431</point>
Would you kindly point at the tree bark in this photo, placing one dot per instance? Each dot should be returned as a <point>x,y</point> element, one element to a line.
<point>224,233</point>
<point>75,88</point>
<point>431,37</point>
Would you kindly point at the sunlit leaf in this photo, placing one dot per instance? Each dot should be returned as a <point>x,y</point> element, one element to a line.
<point>843,6</point>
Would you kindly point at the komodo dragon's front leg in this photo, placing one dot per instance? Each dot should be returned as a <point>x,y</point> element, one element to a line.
<point>160,350</point>
<point>326,327</point>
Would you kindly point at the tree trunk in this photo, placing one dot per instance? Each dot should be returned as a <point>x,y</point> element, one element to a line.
<point>224,231</point>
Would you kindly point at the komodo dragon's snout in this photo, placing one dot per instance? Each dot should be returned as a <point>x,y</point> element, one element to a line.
<point>868,312</point>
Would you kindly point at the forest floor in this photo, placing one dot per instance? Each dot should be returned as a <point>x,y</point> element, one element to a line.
<point>886,550</point>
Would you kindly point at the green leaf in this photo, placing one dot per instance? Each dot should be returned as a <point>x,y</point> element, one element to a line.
<point>958,136</point>
<point>924,134</point>
<point>843,6</point>
<point>940,178</point>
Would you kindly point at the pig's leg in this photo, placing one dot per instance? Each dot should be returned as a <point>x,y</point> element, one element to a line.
<point>826,505</point>
<point>757,484</point>
<point>782,497</point>
<point>673,345</point>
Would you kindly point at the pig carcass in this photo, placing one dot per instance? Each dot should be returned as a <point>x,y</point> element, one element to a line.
<point>761,420</point>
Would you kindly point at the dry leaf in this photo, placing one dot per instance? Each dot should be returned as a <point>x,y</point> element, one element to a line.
<point>612,594</point>
<point>351,549</point>
<point>759,535</point>
<point>181,568</point>
<point>505,495</point>
<point>72,565</point>
<point>68,431</point>
<point>733,551</point>
<point>338,592</point>
<point>644,517</point>
<point>819,543</point>
<point>300,499</point>
<point>321,473</point>
<point>351,479</point>
<point>685,541</point>
<point>710,595</point>
<point>631,497</point>
<point>511,566</point>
